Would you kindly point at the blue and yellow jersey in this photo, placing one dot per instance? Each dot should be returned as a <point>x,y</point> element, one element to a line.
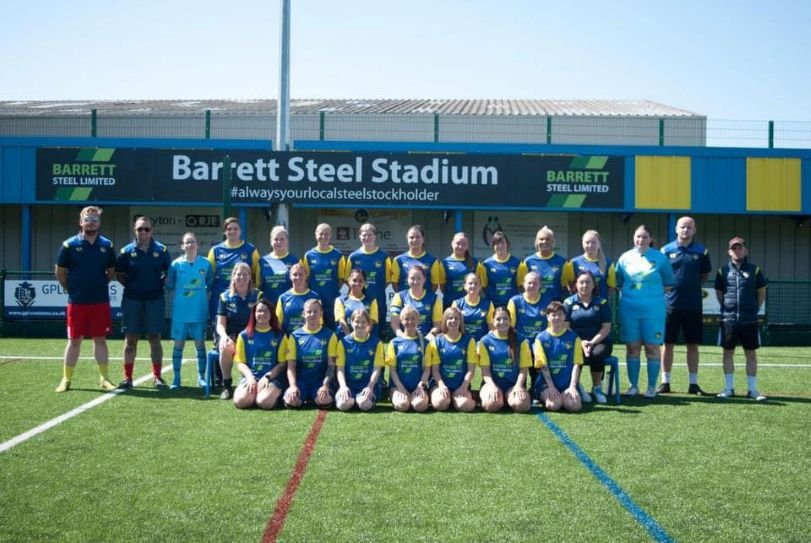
<point>223,257</point>
<point>586,320</point>
<point>560,353</point>
<point>642,279</point>
<point>274,275</point>
<point>478,315</point>
<point>400,264</point>
<point>326,270</point>
<point>237,310</point>
<point>311,350</point>
<point>527,316</point>
<point>375,266</point>
<point>550,269</point>
<point>87,265</point>
<point>262,352</point>
<point>346,304</point>
<point>428,305</point>
<point>144,271</point>
<point>452,357</point>
<point>406,355</point>
<point>359,358</point>
<point>604,279</point>
<point>452,277</point>
<point>190,283</point>
<point>290,308</point>
<point>494,352</point>
<point>500,279</point>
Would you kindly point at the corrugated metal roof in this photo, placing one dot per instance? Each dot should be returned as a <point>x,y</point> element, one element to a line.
<point>507,107</point>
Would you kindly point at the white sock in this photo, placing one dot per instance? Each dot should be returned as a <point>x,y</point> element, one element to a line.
<point>665,377</point>
<point>693,378</point>
<point>730,380</point>
<point>752,382</point>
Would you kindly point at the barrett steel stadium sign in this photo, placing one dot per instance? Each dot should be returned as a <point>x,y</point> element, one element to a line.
<point>332,178</point>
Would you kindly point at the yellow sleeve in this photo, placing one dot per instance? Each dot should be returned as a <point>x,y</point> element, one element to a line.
<point>431,354</point>
<point>239,355</point>
<point>567,275</point>
<point>393,271</point>
<point>484,356</point>
<point>340,355</point>
<point>379,360</point>
<point>611,276</point>
<point>510,310</point>
<point>339,310</point>
<point>524,356</point>
<point>578,352</point>
<point>281,356</point>
<point>292,347</point>
<point>472,355</point>
<point>436,273</point>
<point>481,271</point>
<point>436,313</point>
<point>540,354</point>
<point>212,260</point>
<point>343,264</point>
<point>373,312</point>
<point>305,264</point>
<point>522,272</point>
<point>391,357</point>
<point>279,313</point>
<point>255,268</point>
<point>396,303</point>
<point>442,278</point>
<point>491,313</point>
<point>332,347</point>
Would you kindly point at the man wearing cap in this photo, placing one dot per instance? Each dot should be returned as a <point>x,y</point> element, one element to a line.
<point>691,267</point>
<point>741,290</point>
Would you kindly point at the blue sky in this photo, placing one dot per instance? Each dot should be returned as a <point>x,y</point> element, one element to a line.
<point>750,62</point>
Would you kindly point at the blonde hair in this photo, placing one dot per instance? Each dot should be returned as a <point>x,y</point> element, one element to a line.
<point>232,288</point>
<point>89,210</point>
<point>443,324</point>
<point>601,261</point>
<point>279,229</point>
<point>323,226</point>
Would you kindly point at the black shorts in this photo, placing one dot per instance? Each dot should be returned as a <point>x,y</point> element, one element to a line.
<point>688,320</point>
<point>747,334</point>
<point>597,363</point>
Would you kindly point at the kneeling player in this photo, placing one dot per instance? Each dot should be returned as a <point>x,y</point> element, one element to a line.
<point>559,357</point>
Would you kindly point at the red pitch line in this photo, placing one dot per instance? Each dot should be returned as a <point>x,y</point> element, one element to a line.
<point>276,522</point>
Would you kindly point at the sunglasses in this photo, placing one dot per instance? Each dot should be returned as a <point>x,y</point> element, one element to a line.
<point>91,219</point>
<point>143,229</point>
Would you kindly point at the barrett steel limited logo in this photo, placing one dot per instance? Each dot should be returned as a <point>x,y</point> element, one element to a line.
<point>25,294</point>
<point>89,168</point>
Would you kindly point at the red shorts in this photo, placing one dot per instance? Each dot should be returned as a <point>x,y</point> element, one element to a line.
<point>89,320</point>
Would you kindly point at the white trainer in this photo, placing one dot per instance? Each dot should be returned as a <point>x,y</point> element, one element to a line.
<point>631,392</point>
<point>585,397</point>
<point>727,393</point>
<point>650,393</point>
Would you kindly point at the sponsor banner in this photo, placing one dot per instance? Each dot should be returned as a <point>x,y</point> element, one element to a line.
<point>521,229</point>
<point>332,179</point>
<point>46,299</point>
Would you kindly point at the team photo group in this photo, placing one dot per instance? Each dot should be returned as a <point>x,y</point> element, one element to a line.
<point>500,332</point>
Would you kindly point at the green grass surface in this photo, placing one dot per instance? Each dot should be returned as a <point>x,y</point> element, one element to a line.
<point>152,465</point>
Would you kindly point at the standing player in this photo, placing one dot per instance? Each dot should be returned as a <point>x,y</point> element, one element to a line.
<point>224,256</point>
<point>326,267</point>
<point>190,277</point>
<point>374,264</point>
<point>274,267</point>
<point>691,267</point>
<point>142,267</point>
<point>455,268</point>
<point>84,266</point>
<point>499,273</point>
<point>741,290</point>
<point>548,265</point>
<point>415,256</point>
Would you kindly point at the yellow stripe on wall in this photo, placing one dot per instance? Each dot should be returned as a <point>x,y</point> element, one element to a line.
<point>773,184</point>
<point>663,182</point>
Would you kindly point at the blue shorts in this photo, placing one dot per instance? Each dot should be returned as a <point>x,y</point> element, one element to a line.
<point>650,329</point>
<point>309,391</point>
<point>142,316</point>
<point>181,331</point>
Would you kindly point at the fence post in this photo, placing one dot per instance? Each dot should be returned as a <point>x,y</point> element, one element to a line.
<point>208,124</point>
<point>771,134</point>
<point>321,123</point>
<point>661,132</point>
<point>93,123</point>
<point>548,130</point>
<point>436,127</point>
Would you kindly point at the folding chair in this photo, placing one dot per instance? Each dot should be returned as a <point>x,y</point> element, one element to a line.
<point>613,375</point>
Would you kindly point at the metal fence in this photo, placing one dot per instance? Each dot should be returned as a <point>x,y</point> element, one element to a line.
<point>788,311</point>
<point>337,126</point>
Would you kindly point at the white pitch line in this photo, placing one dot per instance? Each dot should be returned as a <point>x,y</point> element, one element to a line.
<point>25,436</point>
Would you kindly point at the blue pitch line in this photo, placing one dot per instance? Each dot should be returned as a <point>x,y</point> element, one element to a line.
<point>656,532</point>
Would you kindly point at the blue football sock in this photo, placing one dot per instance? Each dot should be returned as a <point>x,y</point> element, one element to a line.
<point>653,372</point>
<point>201,363</point>
<point>633,371</point>
<point>177,358</point>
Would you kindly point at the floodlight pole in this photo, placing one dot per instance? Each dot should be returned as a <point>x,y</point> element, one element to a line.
<point>282,142</point>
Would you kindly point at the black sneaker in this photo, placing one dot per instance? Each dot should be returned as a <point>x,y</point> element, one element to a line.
<point>695,389</point>
<point>159,383</point>
<point>664,388</point>
<point>226,393</point>
<point>126,384</point>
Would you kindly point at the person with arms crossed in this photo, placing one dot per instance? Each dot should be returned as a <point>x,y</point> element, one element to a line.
<point>84,267</point>
<point>741,290</point>
<point>142,267</point>
<point>691,267</point>
<point>190,278</point>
